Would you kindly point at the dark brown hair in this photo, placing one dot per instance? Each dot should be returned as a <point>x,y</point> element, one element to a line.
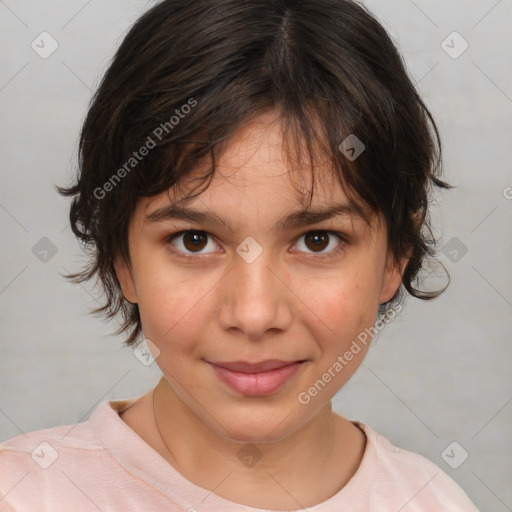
<point>188,75</point>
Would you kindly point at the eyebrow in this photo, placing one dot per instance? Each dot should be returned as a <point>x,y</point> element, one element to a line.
<point>298,218</point>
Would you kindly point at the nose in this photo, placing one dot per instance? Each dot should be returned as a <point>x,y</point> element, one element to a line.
<point>255,298</point>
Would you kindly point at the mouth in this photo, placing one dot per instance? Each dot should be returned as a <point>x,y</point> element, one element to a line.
<point>258,378</point>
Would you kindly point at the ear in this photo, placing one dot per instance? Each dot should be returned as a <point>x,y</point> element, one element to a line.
<point>125,278</point>
<point>392,277</point>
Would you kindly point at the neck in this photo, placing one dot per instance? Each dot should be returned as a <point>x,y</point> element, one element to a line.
<point>303,469</point>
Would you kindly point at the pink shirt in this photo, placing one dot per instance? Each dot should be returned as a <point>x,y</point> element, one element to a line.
<point>102,465</point>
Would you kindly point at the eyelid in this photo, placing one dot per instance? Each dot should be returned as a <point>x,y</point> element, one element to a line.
<point>345,239</point>
<point>177,234</point>
<point>333,252</point>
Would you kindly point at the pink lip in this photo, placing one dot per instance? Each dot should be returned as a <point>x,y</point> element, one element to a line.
<point>256,379</point>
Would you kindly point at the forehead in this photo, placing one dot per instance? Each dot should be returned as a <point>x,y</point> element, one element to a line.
<point>254,173</point>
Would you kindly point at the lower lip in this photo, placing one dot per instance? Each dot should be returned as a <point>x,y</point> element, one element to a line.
<point>257,384</point>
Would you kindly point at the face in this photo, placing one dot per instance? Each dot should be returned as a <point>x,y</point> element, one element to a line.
<point>252,287</point>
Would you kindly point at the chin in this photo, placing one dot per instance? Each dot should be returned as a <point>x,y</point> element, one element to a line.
<point>251,427</point>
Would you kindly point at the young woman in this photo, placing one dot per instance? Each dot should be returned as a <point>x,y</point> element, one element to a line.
<point>254,182</point>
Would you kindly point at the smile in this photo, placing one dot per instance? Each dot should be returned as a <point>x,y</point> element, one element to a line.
<point>256,379</point>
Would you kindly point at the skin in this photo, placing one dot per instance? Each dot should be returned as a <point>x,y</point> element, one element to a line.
<point>294,302</point>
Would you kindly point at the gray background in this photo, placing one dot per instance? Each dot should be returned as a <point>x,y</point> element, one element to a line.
<point>440,372</point>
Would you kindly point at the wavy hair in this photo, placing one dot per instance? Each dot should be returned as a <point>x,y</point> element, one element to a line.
<point>188,75</point>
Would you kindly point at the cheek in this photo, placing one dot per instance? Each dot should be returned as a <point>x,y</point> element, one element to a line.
<point>171,307</point>
<point>346,305</point>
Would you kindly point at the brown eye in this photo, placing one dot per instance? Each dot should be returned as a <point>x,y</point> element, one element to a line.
<point>194,240</point>
<point>190,242</point>
<point>316,242</point>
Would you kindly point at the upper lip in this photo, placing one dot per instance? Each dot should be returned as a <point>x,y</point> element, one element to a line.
<point>260,366</point>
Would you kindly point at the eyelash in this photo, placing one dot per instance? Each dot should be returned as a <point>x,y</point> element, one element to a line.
<point>335,251</point>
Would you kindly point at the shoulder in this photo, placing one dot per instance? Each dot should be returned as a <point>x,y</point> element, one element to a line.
<point>34,465</point>
<point>49,441</point>
<point>85,436</point>
<point>41,449</point>
<point>412,478</point>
